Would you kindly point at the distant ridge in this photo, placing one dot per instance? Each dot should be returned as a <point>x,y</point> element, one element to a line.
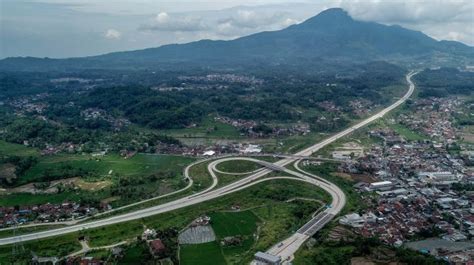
<point>331,35</point>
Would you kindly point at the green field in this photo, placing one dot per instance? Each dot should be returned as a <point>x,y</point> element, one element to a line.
<point>135,252</point>
<point>200,176</point>
<point>202,254</point>
<point>208,128</point>
<point>292,144</point>
<point>142,176</point>
<point>234,223</point>
<point>241,224</point>
<point>238,166</point>
<point>25,230</point>
<point>138,165</point>
<point>16,149</point>
<point>407,133</point>
<point>354,202</point>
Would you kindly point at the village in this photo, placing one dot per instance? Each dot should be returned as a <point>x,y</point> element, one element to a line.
<point>423,188</point>
<point>47,213</point>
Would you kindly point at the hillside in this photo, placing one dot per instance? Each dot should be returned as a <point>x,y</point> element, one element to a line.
<point>332,35</point>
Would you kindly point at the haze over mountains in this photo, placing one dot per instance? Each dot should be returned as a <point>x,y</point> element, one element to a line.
<point>330,36</point>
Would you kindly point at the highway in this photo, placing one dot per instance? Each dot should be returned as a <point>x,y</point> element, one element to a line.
<point>290,245</point>
<point>287,248</point>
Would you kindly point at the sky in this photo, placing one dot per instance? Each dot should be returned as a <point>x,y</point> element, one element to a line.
<point>72,28</point>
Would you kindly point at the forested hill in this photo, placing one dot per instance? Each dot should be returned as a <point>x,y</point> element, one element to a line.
<point>331,35</point>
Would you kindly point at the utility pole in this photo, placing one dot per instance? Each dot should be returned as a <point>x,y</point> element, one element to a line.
<point>17,247</point>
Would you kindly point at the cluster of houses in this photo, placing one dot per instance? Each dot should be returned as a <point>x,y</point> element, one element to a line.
<point>155,245</point>
<point>225,78</point>
<point>45,213</point>
<point>419,192</point>
<point>213,150</point>
<point>329,106</point>
<point>29,104</point>
<point>247,127</point>
<point>51,149</point>
<point>96,114</point>
<point>433,117</point>
<point>361,107</point>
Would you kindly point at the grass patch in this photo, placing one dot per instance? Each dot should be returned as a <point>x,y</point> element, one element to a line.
<point>139,165</point>
<point>234,223</point>
<point>134,253</point>
<point>293,144</point>
<point>202,254</point>
<point>17,149</point>
<point>407,133</point>
<point>370,251</point>
<point>239,224</point>
<point>201,177</point>
<point>25,230</point>
<point>44,248</point>
<point>354,202</point>
<point>208,128</point>
<point>238,166</point>
<point>140,177</point>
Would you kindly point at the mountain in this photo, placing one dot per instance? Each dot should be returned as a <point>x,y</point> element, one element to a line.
<point>332,35</point>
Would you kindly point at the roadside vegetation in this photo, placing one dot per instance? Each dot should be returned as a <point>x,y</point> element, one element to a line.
<point>267,201</point>
<point>359,251</point>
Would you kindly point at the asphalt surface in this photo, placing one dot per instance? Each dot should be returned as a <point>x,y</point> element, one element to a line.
<point>290,245</point>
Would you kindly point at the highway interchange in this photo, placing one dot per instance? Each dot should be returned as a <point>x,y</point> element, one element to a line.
<point>284,249</point>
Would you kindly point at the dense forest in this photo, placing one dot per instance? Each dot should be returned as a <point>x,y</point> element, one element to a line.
<point>93,107</point>
<point>445,82</point>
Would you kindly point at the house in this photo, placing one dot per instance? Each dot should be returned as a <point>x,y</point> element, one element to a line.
<point>157,248</point>
<point>90,261</point>
<point>456,236</point>
<point>442,177</point>
<point>396,192</point>
<point>341,155</point>
<point>149,234</point>
<point>117,252</point>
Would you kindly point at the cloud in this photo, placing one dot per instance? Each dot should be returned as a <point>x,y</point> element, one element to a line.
<point>112,34</point>
<point>162,17</point>
<point>289,21</point>
<point>166,22</point>
<point>36,24</point>
<point>411,12</point>
<point>252,20</point>
<point>451,20</point>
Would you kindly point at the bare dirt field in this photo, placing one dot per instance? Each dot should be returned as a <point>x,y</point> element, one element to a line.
<point>52,188</point>
<point>356,177</point>
<point>91,186</point>
<point>7,171</point>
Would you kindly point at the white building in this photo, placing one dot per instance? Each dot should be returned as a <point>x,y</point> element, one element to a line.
<point>353,219</point>
<point>209,153</point>
<point>251,148</point>
<point>442,177</point>
<point>381,185</point>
